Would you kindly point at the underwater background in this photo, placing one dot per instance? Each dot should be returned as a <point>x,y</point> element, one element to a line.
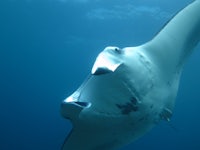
<point>47,48</point>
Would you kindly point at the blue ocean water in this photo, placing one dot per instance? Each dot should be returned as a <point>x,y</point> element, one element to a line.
<point>47,48</point>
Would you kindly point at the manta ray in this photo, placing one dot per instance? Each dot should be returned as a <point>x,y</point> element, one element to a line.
<point>131,89</point>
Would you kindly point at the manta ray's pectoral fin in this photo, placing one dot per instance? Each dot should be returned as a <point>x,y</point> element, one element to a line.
<point>88,138</point>
<point>166,114</point>
<point>176,41</point>
<point>77,139</point>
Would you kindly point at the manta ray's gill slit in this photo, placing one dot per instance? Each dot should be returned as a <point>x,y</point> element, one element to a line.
<point>166,114</point>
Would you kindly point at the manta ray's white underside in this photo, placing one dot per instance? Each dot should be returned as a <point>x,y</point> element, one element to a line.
<point>131,89</point>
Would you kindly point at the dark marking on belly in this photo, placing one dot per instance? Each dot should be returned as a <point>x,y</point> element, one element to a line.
<point>128,107</point>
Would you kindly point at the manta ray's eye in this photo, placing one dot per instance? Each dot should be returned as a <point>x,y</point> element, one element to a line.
<point>118,50</point>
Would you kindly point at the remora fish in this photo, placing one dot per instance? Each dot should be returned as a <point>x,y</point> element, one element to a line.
<point>131,89</point>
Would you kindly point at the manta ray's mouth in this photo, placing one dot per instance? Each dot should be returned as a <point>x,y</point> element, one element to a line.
<point>74,100</point>
<point>71,110</point>
<point>82,104</point>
